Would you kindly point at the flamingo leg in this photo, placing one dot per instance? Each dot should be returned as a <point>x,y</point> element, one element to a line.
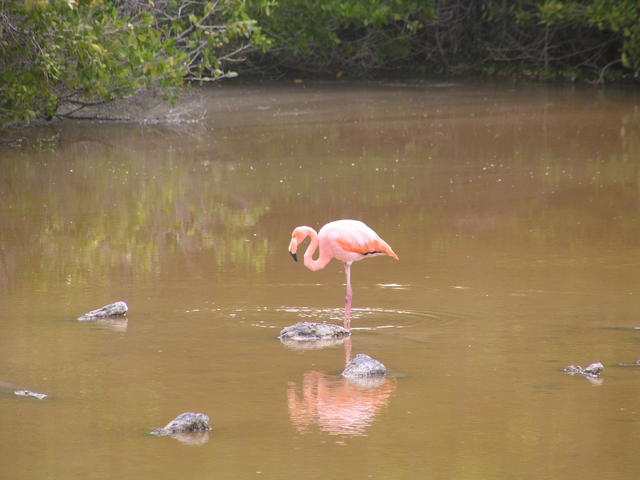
<point>347,298</point>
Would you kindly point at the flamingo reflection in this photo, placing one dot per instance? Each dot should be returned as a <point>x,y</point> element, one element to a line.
<point>337,405</point>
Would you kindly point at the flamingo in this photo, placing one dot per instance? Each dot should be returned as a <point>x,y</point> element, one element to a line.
<point>344,240</point>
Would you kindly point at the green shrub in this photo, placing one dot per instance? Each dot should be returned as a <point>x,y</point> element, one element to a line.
<point>63,54</point>
<point>59,56</point>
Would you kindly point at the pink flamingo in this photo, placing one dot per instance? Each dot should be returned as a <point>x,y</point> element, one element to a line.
<point>345,240</point>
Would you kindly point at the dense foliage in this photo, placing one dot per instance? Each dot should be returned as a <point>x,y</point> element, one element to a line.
<point>57,56</point>
<point>61,54</point>
<point>592,39</point>
<point>357,35</point>
<point>570,38</point>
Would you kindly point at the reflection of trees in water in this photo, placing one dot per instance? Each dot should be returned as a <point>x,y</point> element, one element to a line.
<point>92,209</point>
<point>336,405</point>
<point>122,199</point>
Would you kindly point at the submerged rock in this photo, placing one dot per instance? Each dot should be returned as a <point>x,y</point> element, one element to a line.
<point>312,332</point>
<point>363,365</point>
<point>593,370</point>
<point>627,364</point>
<point>29,393</point>
<point>187,422</point>
<point>116,309</point>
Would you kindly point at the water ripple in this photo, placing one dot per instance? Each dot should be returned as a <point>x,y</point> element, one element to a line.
<point>363,318</point>
<point>371,318</point>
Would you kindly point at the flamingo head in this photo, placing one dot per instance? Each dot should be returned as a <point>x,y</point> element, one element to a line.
<point>297,237</point>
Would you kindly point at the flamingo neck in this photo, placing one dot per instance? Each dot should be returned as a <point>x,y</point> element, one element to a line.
<point>324,256</point>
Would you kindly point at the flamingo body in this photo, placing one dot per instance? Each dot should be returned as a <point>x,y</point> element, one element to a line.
<point>345,240</point>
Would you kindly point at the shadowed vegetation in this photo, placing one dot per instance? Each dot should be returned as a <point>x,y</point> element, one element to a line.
<point>59,56</point>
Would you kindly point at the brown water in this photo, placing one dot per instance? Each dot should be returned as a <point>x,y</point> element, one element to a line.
<point>515,214</point>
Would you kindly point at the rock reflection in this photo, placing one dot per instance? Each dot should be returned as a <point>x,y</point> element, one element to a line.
<point>337,405</point>
<point>192,439</point>
<point>315,345</point>
<point>114,324</point>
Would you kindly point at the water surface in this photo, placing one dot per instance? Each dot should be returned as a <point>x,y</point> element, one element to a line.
<point>514,211</point>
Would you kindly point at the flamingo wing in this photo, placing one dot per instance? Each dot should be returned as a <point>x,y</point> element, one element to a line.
<point>352,240</point>
<point>375,246</point>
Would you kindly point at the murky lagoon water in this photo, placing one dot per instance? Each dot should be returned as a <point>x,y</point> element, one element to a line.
<point>515,214</point>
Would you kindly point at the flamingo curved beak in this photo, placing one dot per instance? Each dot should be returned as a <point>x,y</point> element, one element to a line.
<point>293,247</point>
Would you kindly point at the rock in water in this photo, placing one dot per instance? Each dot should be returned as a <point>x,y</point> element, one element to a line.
<point>29,393</point>
<point>116,309</point>
<point>594,370</point>
<point>312,331</point>
<point>185,423</point>
<point>363,366</point>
